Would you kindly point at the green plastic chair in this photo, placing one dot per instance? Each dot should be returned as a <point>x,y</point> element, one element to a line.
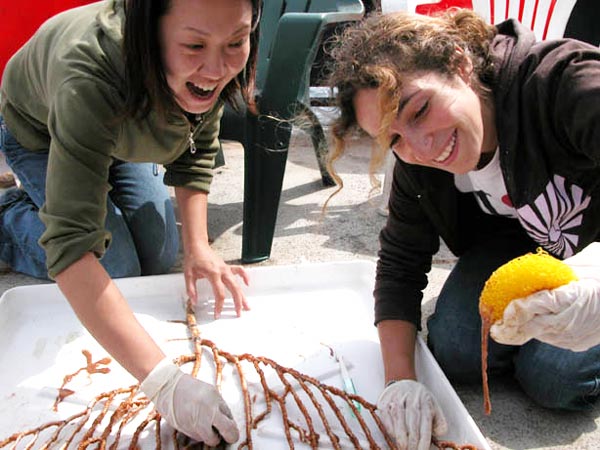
<point>290,36</point>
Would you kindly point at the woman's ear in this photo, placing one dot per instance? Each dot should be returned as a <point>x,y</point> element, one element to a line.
<point>465,67</point>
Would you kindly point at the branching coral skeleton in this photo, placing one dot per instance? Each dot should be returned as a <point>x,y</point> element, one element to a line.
<point>103,421</point>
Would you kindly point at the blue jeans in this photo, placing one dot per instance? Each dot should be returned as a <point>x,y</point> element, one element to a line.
<point>553,377</point>
<point>140,216</point>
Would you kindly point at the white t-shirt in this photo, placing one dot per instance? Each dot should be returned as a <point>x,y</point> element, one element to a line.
<point>488,187</point>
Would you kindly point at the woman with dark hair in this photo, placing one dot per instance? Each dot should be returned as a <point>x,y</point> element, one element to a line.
<point>89,103</point>
<point>496,139</point>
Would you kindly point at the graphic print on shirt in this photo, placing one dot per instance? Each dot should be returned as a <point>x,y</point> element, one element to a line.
<point>486,203</point>
<point>553,218</point>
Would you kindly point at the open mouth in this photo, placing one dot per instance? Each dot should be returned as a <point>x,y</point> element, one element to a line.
<point>203,93</point>
<point>448,150</point>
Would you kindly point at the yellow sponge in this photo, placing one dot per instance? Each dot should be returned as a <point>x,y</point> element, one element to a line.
<point>517,278</point>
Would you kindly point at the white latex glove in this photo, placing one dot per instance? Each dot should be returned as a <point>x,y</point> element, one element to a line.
<point>411,415</point>
<point>566,317</point>
<point>189,405</point>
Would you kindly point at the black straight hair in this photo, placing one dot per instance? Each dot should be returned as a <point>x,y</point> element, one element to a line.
<point>146,84</point>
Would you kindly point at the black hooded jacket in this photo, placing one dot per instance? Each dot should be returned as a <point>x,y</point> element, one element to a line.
<point>547,100</point>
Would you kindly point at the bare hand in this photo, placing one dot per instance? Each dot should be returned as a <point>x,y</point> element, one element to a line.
<point>205,263</point>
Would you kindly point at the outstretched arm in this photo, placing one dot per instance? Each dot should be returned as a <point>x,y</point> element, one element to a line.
<point>408,410</point>
<point>397,339</point>
<point>188,404</point>
<point>103,310</point>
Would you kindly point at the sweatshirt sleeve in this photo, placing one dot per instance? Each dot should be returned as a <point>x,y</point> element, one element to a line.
<point>195,170</point>
<point>82,140</point>
<point>407,244</point>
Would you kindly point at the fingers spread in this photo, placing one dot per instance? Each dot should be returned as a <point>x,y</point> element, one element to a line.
<point>239,299</point>
<point>224,280</point>
<point>240,271</point>
<point>190,287</point>
<point>219,291</point>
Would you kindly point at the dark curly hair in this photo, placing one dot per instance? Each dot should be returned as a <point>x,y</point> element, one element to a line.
<point>381,50</point>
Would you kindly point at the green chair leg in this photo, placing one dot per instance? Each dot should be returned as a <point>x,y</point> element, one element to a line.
<point>291,34</point>
<point>265,159</point>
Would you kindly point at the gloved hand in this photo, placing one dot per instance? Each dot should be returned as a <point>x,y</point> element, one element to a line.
<point>189,405</point>
<point>566,317</point>
<point>411,415</point>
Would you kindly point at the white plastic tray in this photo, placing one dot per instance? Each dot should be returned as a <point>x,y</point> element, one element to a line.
<point>298,313</point>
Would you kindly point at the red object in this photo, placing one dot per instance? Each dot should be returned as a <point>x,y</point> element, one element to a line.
<point>550,12</point>
<point>20,19</point>
<point>432,8</point>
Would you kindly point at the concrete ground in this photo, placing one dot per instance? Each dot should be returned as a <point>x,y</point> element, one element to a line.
<point>349,231</point>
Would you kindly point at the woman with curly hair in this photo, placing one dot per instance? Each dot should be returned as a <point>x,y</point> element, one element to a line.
<point>496,139</point>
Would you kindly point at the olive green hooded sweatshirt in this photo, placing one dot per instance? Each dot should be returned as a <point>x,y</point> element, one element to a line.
<point>63,92</point>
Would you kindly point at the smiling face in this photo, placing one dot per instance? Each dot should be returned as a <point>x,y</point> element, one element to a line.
<point>205,44</point>
<point>441,122</point>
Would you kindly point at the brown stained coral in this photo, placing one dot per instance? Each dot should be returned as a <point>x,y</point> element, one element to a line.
<point>103,421</point>
<point>90,367</point>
